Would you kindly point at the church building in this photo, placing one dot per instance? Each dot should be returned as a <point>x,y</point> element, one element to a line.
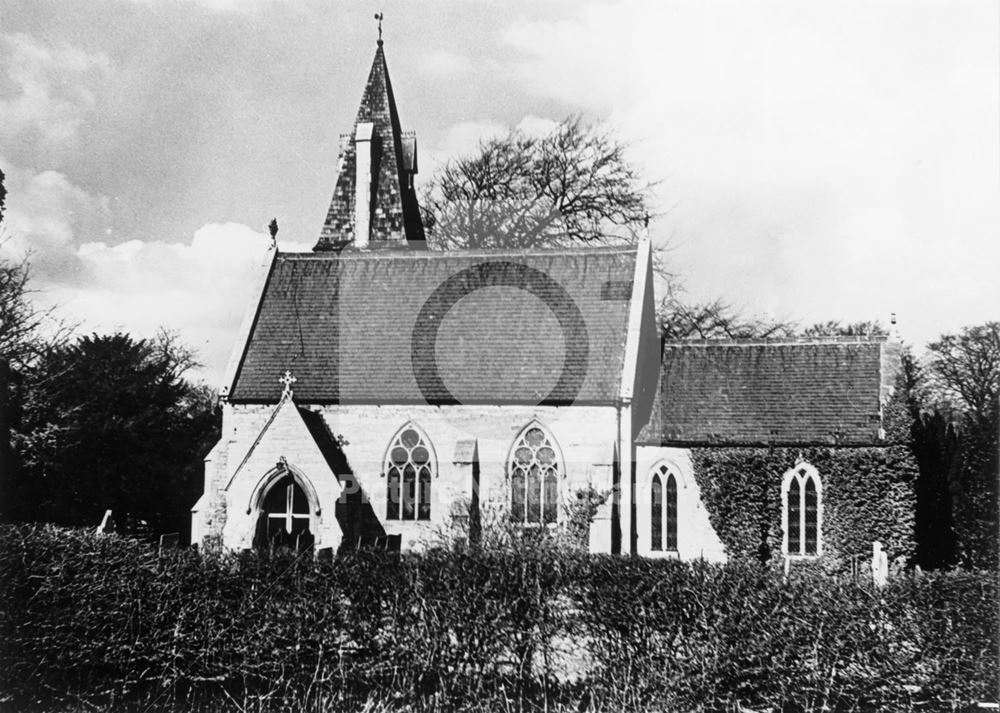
<point>384,394</point>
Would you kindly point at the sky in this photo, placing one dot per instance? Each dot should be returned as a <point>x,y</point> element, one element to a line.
<point>812,161</point>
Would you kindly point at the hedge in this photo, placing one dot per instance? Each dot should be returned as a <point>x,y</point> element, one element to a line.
<point>109,624</point>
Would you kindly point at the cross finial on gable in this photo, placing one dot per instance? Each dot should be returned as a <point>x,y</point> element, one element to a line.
<point>287,380</point>
<point>379,16</point>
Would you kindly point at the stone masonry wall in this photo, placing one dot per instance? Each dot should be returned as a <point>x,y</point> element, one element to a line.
<point>585,434</point>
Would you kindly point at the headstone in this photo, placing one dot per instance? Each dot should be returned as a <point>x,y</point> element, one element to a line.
<point>880,565</point>
<point>392,545</point>
<point>107,526</point>
<point>170,541</point>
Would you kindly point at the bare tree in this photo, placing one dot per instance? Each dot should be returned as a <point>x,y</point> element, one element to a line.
<point>20,321</point>
<point>964,369</point>
<point>715,320</point>
<point>26,332</point>
<point>836,328</point>
<point>955,400</point>
<point>572,185</point>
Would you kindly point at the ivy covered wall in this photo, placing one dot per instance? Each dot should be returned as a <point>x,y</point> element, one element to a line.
<point>868,494</point>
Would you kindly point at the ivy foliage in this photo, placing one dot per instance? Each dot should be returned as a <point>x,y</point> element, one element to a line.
<point>868,495</point>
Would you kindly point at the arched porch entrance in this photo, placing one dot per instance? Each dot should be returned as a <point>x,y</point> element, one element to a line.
<point>286,512</point>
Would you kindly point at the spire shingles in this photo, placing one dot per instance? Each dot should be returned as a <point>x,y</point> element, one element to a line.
<point>393,215</point>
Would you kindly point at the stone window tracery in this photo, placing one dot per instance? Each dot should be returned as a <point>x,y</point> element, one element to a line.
<point>663,510</point>
<point>535,467</point>
<point>409,468</point>
<point>802,520</point>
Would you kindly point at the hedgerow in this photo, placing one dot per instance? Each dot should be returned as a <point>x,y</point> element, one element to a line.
<point>108,623</point>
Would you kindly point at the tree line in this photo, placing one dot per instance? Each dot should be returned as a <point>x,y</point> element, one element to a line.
<point>93,422</point>
<point>97,422</point>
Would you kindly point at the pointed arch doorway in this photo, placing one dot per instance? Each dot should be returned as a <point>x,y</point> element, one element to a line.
<point>285,518</point>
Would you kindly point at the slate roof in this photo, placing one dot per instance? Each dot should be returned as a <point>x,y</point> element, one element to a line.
<point>420,326</point>
<point>750,393</point>
<point>395,215</point>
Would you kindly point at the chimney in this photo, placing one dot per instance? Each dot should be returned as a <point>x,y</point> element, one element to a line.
<point>363,183</point>
<point>409,142</point>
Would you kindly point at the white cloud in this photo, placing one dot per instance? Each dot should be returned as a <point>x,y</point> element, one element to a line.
<point>52,88</point>
<point>199,289</point>
<point>442,64</point>
<point>45,214</point>
<point>460,139</point>
<point>536,125</point>
<point>243,7</point>
<point>819,161</point>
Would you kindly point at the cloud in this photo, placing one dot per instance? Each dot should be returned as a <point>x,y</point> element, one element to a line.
<point>50,89</point>
<point>199,288</point>
<point>442,64</point>
<point>463,138</point>
<point>243,7</point>
<point>536,125</point>
<point>816,161</point>
<point>45,214</point>
<point>458,140</point>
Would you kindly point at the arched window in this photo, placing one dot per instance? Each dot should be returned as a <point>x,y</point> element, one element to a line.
<point>284,516</point>
<point>663,510</point>
<point>534,467</point>
<point>409,465</point>
<point>802,509</point>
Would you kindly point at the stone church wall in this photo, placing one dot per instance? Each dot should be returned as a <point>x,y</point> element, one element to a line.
<point>730,499</point>
<point>696,538</point>
<point>458,434</point>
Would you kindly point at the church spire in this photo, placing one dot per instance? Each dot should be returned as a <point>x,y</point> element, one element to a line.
<point>374,203</point>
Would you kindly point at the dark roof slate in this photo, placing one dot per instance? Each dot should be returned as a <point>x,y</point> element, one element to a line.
<point>500,326</point>
<point>395,215</point>
<point>734,393</point>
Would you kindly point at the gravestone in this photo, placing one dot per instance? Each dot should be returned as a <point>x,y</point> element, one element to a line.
<point>107,526</point>
<point>880,565</point>
<point>170,541</point>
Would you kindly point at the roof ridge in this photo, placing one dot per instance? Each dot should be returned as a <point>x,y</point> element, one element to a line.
<point>478,252</point>
<point>777,341</point>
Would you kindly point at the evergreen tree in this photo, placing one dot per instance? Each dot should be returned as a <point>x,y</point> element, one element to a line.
<point>109,422</point>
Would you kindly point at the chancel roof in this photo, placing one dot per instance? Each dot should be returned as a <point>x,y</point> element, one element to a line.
<point>441,327</point>
<point>732,392</point>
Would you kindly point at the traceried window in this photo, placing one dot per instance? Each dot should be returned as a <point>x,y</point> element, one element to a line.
<point>284,517</point>
<point>534,470</point>
<point>408,468</point>
<point>663,510</point>
<point>802,503</point>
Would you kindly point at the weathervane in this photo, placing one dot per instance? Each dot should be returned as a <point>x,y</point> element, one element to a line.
<point>287,380</point>
<point>379,16</point>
